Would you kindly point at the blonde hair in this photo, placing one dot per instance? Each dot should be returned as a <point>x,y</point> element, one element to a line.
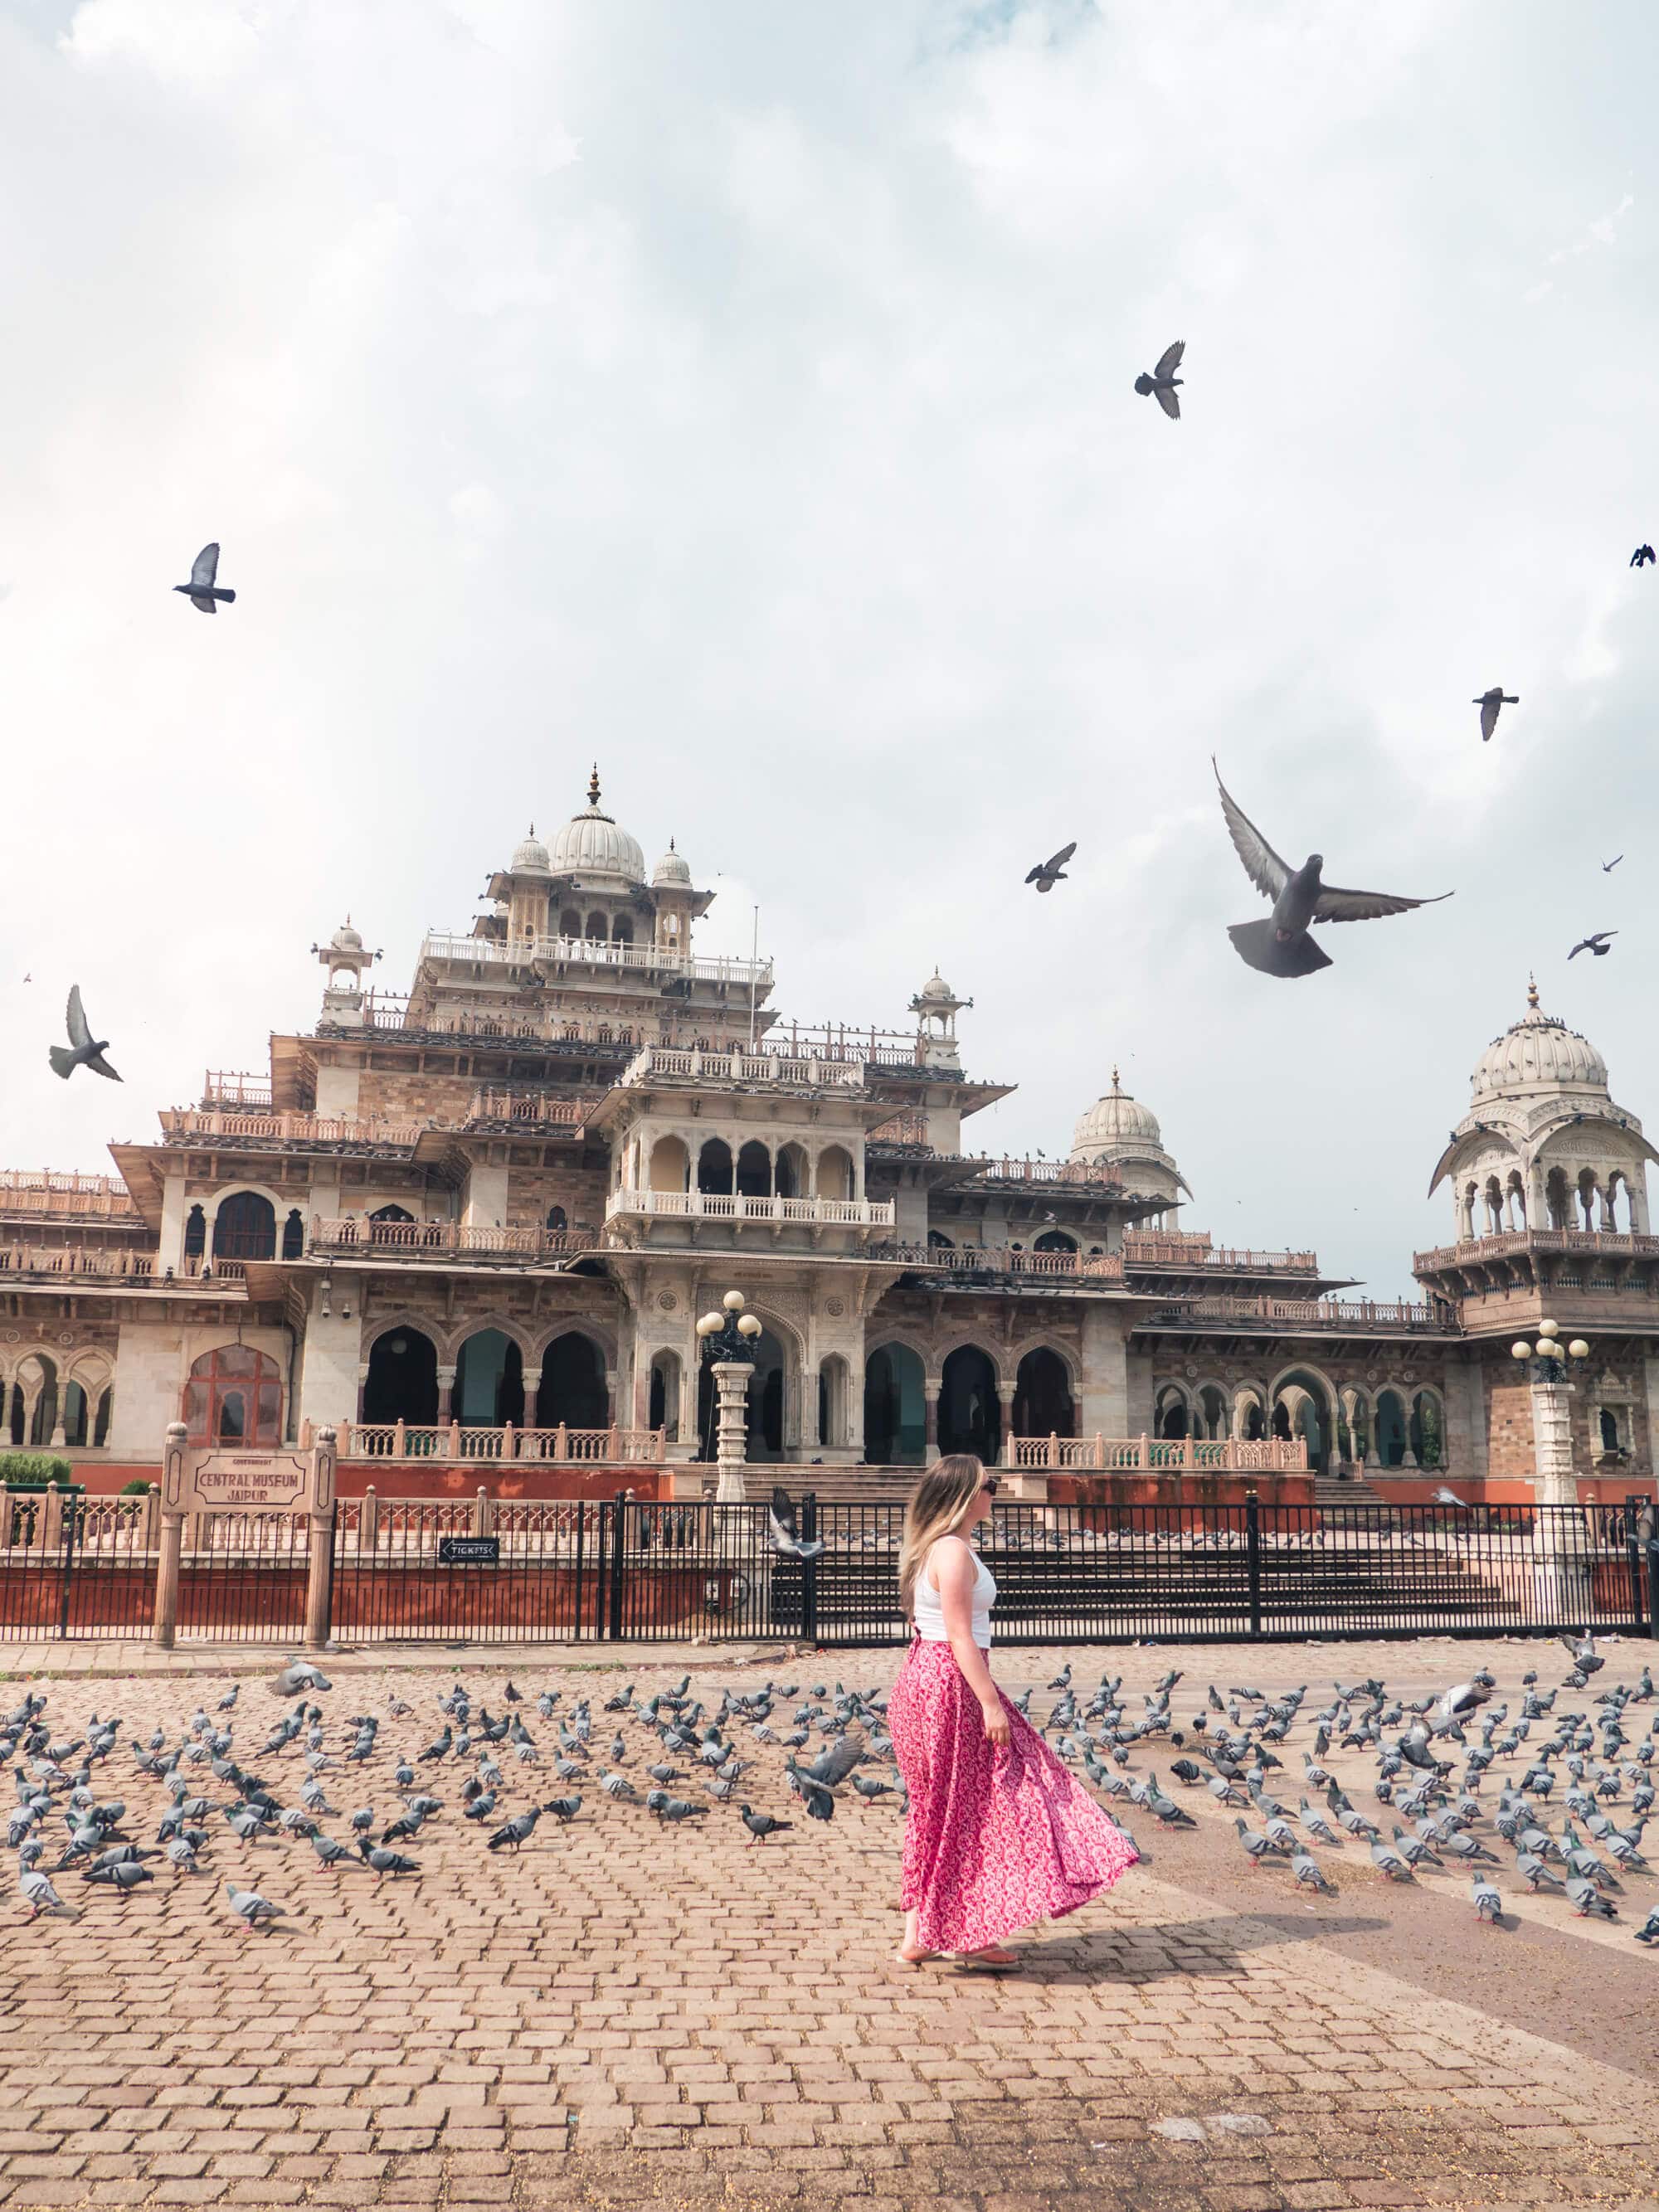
<point>938,1505</point>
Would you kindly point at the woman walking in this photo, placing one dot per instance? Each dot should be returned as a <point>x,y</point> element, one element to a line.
<point>998,1834</point>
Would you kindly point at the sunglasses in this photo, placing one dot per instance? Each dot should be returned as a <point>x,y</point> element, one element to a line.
<point>990,1483</point>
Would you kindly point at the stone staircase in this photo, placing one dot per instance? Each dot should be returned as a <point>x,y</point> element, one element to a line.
<point>1336,1497</point>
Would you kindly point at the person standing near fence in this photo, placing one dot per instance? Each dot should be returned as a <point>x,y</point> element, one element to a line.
<point>998,1834</point>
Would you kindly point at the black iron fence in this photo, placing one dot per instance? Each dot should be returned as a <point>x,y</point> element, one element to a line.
<point>605,1571</point>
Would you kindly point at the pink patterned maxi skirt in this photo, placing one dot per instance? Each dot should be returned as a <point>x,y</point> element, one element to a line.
<point>995,1840</point>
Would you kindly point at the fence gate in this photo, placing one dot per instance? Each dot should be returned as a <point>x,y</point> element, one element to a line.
<point>74,1565</point>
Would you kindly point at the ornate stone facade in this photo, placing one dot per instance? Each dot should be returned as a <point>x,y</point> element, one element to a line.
<point>499,1205</point>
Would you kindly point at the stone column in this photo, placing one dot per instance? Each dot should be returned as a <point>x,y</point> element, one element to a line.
<point>1561,1567</point>
<point>446,1385</point>
<point>1005,1404</point>
<point>931,1387</point>
<point>731,1379</point>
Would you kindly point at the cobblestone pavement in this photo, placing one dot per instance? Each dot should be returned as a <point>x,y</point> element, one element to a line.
<point>620,2016</point>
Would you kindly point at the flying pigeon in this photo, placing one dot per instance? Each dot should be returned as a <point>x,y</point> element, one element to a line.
<point>1050,872</point>
<point>1161,383</point>
<point>1444,1497</point>
<point>1281,945</point>
<point>1607,867</point>
<point>1490,703</point>
<point>202,591</point>
<point>86,1053</point>
<point>1641,557</point>
<point>1596,944</point>
<point>786,1536</point>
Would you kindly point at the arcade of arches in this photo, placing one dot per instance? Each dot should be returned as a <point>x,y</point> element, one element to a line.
<point>489,1385</point>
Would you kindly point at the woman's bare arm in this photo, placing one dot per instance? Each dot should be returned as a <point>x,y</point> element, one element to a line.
<point>952,1566</point>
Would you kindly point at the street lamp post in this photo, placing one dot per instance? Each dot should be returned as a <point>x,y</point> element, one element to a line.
<point>1562,1568</point>
<point>727,1339</point>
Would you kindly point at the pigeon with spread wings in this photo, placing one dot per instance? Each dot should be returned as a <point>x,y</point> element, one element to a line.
<point>88,1052</point>
<point>1281,945</point>
<point>203,591</point>
<point>1161,384</point>
<point>1047,874</point>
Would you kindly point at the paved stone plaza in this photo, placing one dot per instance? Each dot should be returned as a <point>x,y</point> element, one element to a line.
<point>622,2016</point>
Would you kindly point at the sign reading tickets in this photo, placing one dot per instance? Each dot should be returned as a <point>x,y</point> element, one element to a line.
<point>217,1479</point>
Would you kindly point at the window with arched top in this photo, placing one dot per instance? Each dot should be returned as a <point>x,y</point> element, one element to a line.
<point>245,1228</point>
<point>234,1396</point>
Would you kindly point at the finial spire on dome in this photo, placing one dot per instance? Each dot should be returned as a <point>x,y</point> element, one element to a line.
<point>1115,1082</point>
<point>593,785</point>
<point>1532,992</point>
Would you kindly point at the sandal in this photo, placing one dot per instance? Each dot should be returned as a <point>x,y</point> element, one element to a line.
<point>910,1961</point>
<point>994,1960</point>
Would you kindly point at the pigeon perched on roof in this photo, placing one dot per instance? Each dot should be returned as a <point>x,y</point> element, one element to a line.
<point>1161,384</point>
<point>86,1051</point>
<point>1596,943</point>
<point>203,589</point>
<point>1281,945</point>
<point>1047,874</point>
<point>1491,703</point>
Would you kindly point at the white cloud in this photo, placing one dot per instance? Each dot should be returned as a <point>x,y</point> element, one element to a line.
<point>750,406</point>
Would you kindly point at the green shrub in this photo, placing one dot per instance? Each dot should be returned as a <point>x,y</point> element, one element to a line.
<point>34,1470</point>
<point>137,1489</point>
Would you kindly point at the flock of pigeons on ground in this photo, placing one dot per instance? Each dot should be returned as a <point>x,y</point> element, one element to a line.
<point>670,1757</point>
<point>1281,945</point>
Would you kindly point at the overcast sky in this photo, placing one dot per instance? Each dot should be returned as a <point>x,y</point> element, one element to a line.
<point>742,395</point>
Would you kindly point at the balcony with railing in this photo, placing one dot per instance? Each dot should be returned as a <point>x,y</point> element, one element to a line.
<point>1349,1316</point>
<point>972,1263</point>
<point>1079,1175</point>
<point>458,1440</point>
<point>1166,1454</point>
<point>1193,1248</point>
<point>526,1110</point>
<point>657,1063</point>
<point>735,1209</point>
<point>1611,1244</point>
<point>594,952</point>
<point>118,1266</point>
<point>55,1192</point>
<point>348,1236</point>
<point>237,1089</point>
<point>193,1124</point>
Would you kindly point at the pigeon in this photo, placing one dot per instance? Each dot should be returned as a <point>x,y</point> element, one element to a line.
<point>1307,1873</point>
<point>256,1910</point>
<point>1641,557</point>
<point>786,1538</point>
<point>1607,867</point>
<point>300,1675</point>
<point>1049,872</point>
<point>1444,1497</point>
<point>203,591</point>
<point>1649,1931</point>
<point>1589,1902</point>
<point>1161,384</point>
<point>1487,1901</point>
<point>1596,943</point>
<point>42,1897</point>
<point>1281,945</point>
<point>385,1862</point>
<point>761,1824</point>
<point>86,1051</point>
<point>1491,703</point>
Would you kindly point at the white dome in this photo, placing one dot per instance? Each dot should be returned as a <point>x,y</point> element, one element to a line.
<point>530,856</point>
<point>671,872</point>
<point>346,939</point>
<point>591,844</point>
<point>936,987</point>
<point>1538,1054</point>
<point>1116,1119</point>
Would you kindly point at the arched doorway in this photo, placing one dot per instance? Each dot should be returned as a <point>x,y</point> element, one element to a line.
<point>1211,1411</point>
<point>665,1399</point>
<point>1042,1396</point>
<point>1171,1416</point>
<point>714,1167</point>
<point>1391,1431</point>
<point>294,1235</point>
<point>573,1387</point>
<point>402,1384</point>
<point>754,1170</point>
<point>1426,1431</point>
<point>895,1407</point>
<point>969,1413</point>
<point>1054,1240</point>
<point>489,1388</point>
<point>834,1401</point>
<point>245,1228</point>
<point>1309,1415</point>
<point>390,1213</point>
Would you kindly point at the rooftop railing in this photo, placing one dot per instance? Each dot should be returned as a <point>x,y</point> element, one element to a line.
<point>1355,1316</point>
<point>1195,1250</point>
<point>121,1265</point>
<point>188,1122</point>
<point>723,1205</point>
<point>1078,1172</point>
<point>236,1089</point>
<point>654,1062</point>
<point>444,1240</point>
<point>48,1191</point>
<point>531,1108</point>
<point>592,952</point>
<point>953,1260</point>
<point>1611,1243</point>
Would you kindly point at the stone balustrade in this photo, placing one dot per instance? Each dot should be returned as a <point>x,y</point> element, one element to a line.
<point>1164,1455</point>
<point>532,1109</point>
<point>862,1213</point>
<point>52,1191</point>
<point>1356,1317</point>
<point>1608,1243</point>
<point>595,953</point>
<point>656,1063</point>
<point>443,1240</point>
<point>1141,1250</point>
<point>1103,1269</point>
<point>120,1264</point>
<point>455,1440</point>
<point>191,1122</point>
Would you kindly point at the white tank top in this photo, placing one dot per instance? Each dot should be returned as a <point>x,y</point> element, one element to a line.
<point>929,1607</point>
